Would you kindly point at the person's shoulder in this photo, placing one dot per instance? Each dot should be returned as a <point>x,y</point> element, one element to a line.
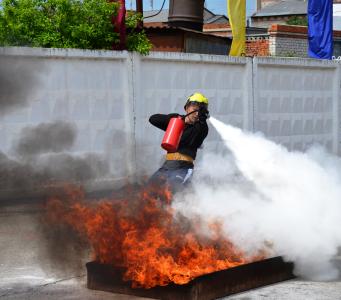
<point>174,115</point>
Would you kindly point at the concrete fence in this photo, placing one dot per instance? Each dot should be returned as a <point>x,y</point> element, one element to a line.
<point>109,96</point>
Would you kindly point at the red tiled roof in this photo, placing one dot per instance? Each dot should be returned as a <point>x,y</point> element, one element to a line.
<point>158,25</point>
<point>165,26</point>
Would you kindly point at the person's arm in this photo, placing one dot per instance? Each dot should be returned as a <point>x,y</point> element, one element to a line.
<point>161,121</point>
<point>198,135</point>
<point>201,132</point>
<point>201,128</point>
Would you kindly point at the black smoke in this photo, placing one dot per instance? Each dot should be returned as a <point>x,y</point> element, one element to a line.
<point>18,81</point>
<point>46,137</point>
<point>41,159</point>
<point>16,175</point>
<point>71,168</point>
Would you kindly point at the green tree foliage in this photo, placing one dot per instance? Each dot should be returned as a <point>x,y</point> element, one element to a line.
<point>136,39</point>
<point>294,20</point>
<point>84,24</point>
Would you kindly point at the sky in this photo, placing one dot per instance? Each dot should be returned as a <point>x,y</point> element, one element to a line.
<point>216,6</point>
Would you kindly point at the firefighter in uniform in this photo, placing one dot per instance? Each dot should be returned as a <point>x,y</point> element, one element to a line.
<point>178,167</point>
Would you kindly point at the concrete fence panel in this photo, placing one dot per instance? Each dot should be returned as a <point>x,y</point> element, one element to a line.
<point>296,102</point>
<point>165,80</point>
<point>87,90</point>
<point>87,112</point>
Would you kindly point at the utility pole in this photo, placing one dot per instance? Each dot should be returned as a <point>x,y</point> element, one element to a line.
<point>139,9</point>
<point>259,5</point>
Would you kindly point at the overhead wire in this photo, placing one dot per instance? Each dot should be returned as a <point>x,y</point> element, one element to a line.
<point>163,4</point>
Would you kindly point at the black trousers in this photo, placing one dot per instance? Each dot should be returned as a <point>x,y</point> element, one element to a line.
<point>174,173</point>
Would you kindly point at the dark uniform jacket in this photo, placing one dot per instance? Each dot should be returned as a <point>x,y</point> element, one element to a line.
<point>192,137</point>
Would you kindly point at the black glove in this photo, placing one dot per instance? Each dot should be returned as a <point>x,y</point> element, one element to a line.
<point>203,114</point>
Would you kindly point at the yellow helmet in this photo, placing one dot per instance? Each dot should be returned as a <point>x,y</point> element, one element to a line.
<point>197,97</point>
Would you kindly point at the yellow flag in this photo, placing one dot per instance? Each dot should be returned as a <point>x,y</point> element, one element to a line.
<point>237,19</point>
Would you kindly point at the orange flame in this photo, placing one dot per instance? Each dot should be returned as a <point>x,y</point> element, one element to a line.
<point>143,235</point>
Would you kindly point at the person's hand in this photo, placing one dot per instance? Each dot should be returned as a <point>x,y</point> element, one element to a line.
<point>203,114</point>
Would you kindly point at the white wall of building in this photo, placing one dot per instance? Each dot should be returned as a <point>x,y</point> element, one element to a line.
<point>337,16</point>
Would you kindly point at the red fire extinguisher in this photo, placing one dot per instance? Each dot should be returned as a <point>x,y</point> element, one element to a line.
<point>173,134</point>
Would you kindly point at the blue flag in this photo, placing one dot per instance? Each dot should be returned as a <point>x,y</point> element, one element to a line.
<point>320,28</point>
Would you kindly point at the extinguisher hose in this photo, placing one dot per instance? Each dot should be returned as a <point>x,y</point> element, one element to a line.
<point>194,111</point>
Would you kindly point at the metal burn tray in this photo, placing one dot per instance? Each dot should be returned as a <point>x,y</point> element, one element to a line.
<point>210,286</point>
